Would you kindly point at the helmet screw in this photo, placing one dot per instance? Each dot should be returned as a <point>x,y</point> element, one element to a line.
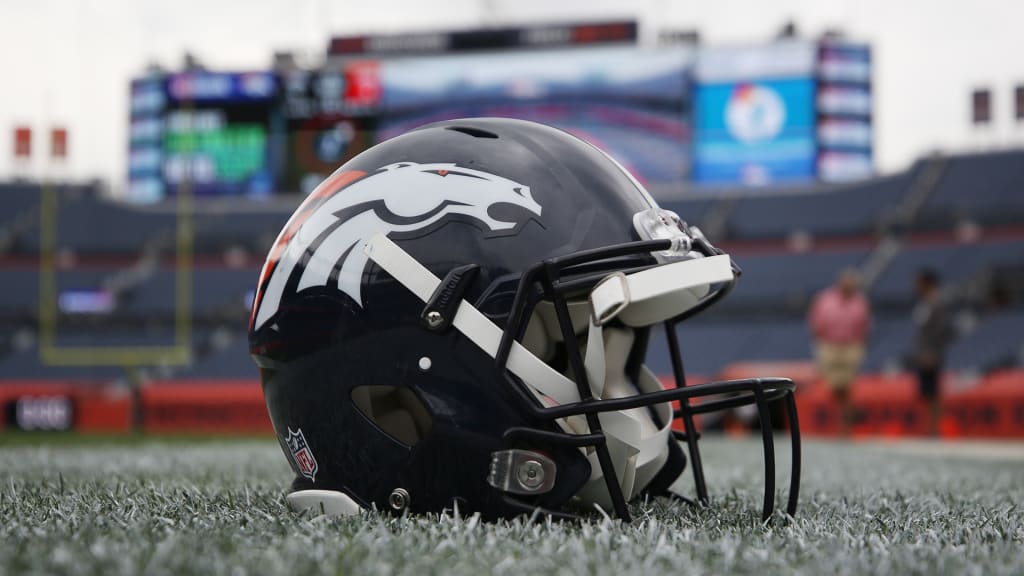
<point>530,474</point>
<point>425,363</point>
<point>399,499</point>
<point>434,319</point>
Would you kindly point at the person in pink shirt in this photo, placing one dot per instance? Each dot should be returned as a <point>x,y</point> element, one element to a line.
<point>839,320</point>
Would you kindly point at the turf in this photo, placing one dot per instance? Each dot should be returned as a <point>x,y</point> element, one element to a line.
<point>158,507</point>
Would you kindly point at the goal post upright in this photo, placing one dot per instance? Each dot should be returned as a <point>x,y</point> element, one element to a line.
<point>53,354</point>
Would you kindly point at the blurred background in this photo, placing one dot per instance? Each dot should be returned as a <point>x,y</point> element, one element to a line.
<point>151,152</point>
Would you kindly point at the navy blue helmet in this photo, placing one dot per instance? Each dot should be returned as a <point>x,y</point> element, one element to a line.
<point>461,316</point>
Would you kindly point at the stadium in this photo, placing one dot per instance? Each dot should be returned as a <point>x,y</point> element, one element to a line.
<point>142,426</point>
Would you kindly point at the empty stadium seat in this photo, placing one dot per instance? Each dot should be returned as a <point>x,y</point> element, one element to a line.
<point>87,225</point>
<point>762,320</point>
<point>988,188</point>
<point>776,278</point>
<point>691,210</point>
<point>997,341</point>
<point>852,210</point>
<point>17,199</point>
<point>955,263</point>
<point>889,342</point>
<point>708,346</point>
<point>232,361</point>
<point>20,293</point>
<point>214,290</point>
<point>255,231</point>
<point>26,365</point>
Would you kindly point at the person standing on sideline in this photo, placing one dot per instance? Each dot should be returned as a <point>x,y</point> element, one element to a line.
<point>933,333</point>
<point>839,320</point>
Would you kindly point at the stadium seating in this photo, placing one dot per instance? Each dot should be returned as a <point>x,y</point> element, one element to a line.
<point>20,294</point>
<point>708,346</point>
<point>956,264</point>
<point>17,200</point>
<point>691,210</point>
<point>230,361</point>
<point>254,230</point>
<point>996,342</point>
<point>889,343</point>
<point>26,365</point>
<point>986,188</point>
<point>87,224</point>
<point>849,210</point>
<point>214,291</point>
<point>763,320</point>
<point>788,278</point>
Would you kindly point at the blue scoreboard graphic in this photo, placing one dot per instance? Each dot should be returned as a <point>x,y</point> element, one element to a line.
<point>754,133</point>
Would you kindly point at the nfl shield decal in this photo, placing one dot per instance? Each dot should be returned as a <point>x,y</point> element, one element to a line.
<point>301,453</point>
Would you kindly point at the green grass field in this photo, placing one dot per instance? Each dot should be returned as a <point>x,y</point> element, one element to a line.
<point>217,507</point>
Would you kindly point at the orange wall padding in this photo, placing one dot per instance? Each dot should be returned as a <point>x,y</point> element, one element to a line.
<point>691,379</point>
<point>98,407</point>
<point>886,405</point>
<point>889,406</point>
<point>205,406</point>
<point>994,408</point>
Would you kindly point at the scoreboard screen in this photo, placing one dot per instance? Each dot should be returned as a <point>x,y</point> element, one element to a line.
<point>213,132</point>
<point>844,111</point>
<point>675,115</point>
<point>329,119</point>
<point>785,113</point>
<point>631,101</point>
<point>217,151</point>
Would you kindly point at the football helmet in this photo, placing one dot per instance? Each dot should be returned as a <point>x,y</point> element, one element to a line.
<point>461,316</point>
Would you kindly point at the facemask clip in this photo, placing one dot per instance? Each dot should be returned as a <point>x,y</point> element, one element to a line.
<point>521,472</point>
<point>661,224</point>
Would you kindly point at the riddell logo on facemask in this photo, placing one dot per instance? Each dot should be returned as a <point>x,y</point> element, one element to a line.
<point>323,242</point>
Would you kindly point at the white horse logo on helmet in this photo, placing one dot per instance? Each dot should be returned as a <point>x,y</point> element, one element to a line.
<point>328,237</point>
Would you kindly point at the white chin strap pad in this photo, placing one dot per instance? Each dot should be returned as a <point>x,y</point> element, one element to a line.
<point>638,447</point>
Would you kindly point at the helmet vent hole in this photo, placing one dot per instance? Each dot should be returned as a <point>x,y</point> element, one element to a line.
<point>395,410</point>
<point>474,132</point>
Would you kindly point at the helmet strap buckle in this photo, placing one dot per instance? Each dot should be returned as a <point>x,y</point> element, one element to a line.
<point>439,311</point>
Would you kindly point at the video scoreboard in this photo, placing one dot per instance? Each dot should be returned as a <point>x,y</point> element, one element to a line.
<point>208,130</point>
<point>679,114</point>
<point>789,112</point>
<point>330,117</point>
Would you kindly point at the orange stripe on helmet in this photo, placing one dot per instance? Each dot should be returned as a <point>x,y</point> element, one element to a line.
<point>332,185</point>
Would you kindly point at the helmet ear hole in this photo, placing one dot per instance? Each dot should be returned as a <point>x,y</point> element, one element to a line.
<point>396,410</point>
